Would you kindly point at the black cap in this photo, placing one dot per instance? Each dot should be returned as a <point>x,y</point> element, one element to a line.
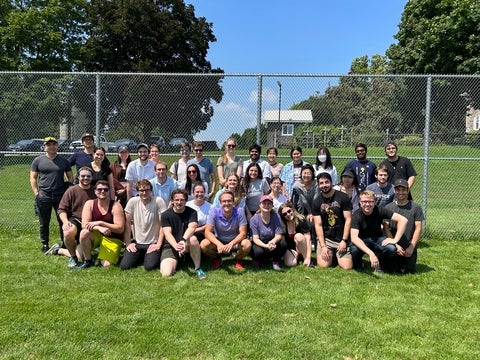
<point>400,182</point>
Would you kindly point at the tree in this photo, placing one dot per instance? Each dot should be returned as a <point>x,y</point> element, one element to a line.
<point>152,36</point>
<point>437,37</point>
<point>41,35</point>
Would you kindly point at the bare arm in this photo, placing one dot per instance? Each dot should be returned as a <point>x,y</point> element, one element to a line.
<point>33,182</point>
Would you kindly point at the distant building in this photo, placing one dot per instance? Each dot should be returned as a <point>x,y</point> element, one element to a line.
<point>281,125</point>
<point>472,120</point>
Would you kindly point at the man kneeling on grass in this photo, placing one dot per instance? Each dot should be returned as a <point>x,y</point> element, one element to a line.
<point>226,233</point>
<point>103,221</point>
<point>367,234</point>
<point>179,223</point>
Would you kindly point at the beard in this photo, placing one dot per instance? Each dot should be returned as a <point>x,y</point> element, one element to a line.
<point>326,190</point>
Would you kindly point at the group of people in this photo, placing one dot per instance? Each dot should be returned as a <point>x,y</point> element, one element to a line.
<point>271,212</point>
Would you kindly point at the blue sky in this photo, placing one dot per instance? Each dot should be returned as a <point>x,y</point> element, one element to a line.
<point>286,37</point>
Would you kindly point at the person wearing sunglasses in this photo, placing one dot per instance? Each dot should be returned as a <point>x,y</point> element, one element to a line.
<point>297,235</point>
<point>205,165</point>
<point>178,169</point>
<point>103,222</point>
<point>47,174</point>
<point>193,177</point>
<point>229,163</point>
<point>70,213</point>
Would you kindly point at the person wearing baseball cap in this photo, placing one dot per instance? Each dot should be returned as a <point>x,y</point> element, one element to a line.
<point>407,246</point>
<point>141,168</point>
<point>268,243</point>
<point>47,174</point>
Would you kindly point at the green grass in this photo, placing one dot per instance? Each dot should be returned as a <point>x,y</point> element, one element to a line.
<point>49,311</point>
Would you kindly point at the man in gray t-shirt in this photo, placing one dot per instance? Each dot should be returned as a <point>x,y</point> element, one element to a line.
<point>47,180</point>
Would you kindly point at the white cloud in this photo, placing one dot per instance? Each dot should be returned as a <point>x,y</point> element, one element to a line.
<point>269,96</point>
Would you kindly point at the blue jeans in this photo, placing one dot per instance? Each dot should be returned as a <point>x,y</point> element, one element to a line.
<point>386,254</point>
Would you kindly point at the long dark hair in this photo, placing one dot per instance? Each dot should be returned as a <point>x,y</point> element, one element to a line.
<point>247,178</point>
<point>328,162</point>
<point>189,184</point>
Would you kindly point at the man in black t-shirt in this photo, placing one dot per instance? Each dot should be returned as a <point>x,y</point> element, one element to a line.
<point>367,234</point>
<point>332,213</point>
<point>179,223</point>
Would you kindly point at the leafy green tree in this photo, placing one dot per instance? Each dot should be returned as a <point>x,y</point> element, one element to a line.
<point>152,36</point>
<point>41,35</point>
<point>438,37</point>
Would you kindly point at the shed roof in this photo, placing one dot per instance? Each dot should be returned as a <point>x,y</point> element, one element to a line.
<point>288,116</point>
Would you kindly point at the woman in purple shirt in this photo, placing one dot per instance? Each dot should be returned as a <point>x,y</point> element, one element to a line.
<point>267,235</point>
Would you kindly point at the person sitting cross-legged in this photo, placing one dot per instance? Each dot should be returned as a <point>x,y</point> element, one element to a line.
<point>226,233</point>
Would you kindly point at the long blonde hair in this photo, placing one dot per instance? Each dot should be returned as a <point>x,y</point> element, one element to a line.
<point>223,158</point>
<point>297,217</point>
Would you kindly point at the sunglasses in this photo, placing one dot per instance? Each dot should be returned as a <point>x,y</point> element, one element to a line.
<point>192,171</point>
<point>102,189</point>
<point>198,150</point>
<point>86,176</point>
<point>185,150</point>
<point>285,213</point>
<point>231,145</point>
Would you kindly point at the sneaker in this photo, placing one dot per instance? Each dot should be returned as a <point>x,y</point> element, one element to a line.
<point>276,266</point>
<point>200,274</point>
<point>53,249</point>
<point>45,248</point>
<point>216,263</point>
<point>86,264</point>
<point>378,270</point>
<point>72,262</point>
<point>239,265</point>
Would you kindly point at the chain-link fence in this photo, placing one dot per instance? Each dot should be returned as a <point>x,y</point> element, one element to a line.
<point>433,119</point>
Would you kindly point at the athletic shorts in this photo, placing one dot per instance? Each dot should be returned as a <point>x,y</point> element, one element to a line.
<point>108,248</point>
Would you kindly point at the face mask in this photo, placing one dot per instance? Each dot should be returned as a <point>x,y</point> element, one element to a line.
<point>322,158</point>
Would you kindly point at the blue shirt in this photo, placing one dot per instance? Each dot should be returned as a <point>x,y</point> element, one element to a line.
<point>226,229</point>
<point>163,190</point>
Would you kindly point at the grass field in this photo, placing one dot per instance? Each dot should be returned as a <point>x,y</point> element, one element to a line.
<point>51,312</point>
<point>48,311</point>
<point>452,193</point>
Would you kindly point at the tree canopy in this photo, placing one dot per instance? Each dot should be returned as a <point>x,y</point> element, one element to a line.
<point>132,36</point>
<point>438,37</point>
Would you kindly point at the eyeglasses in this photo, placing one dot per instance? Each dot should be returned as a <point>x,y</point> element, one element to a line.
<point>285,213</point>
<point>102,189</point>
<point>143,190</point>
<point>86,176</point>
<point>364,202</point>
<point>192,171</point>
<point>198,150</point>
<point>231,145</point>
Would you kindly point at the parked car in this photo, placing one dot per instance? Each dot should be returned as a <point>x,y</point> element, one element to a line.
<point>63,145</point>
<point>77,144</point>
<point>174,144</point>
<point>27,145</point>
<point>129,143</point>
<point>157,139</point>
